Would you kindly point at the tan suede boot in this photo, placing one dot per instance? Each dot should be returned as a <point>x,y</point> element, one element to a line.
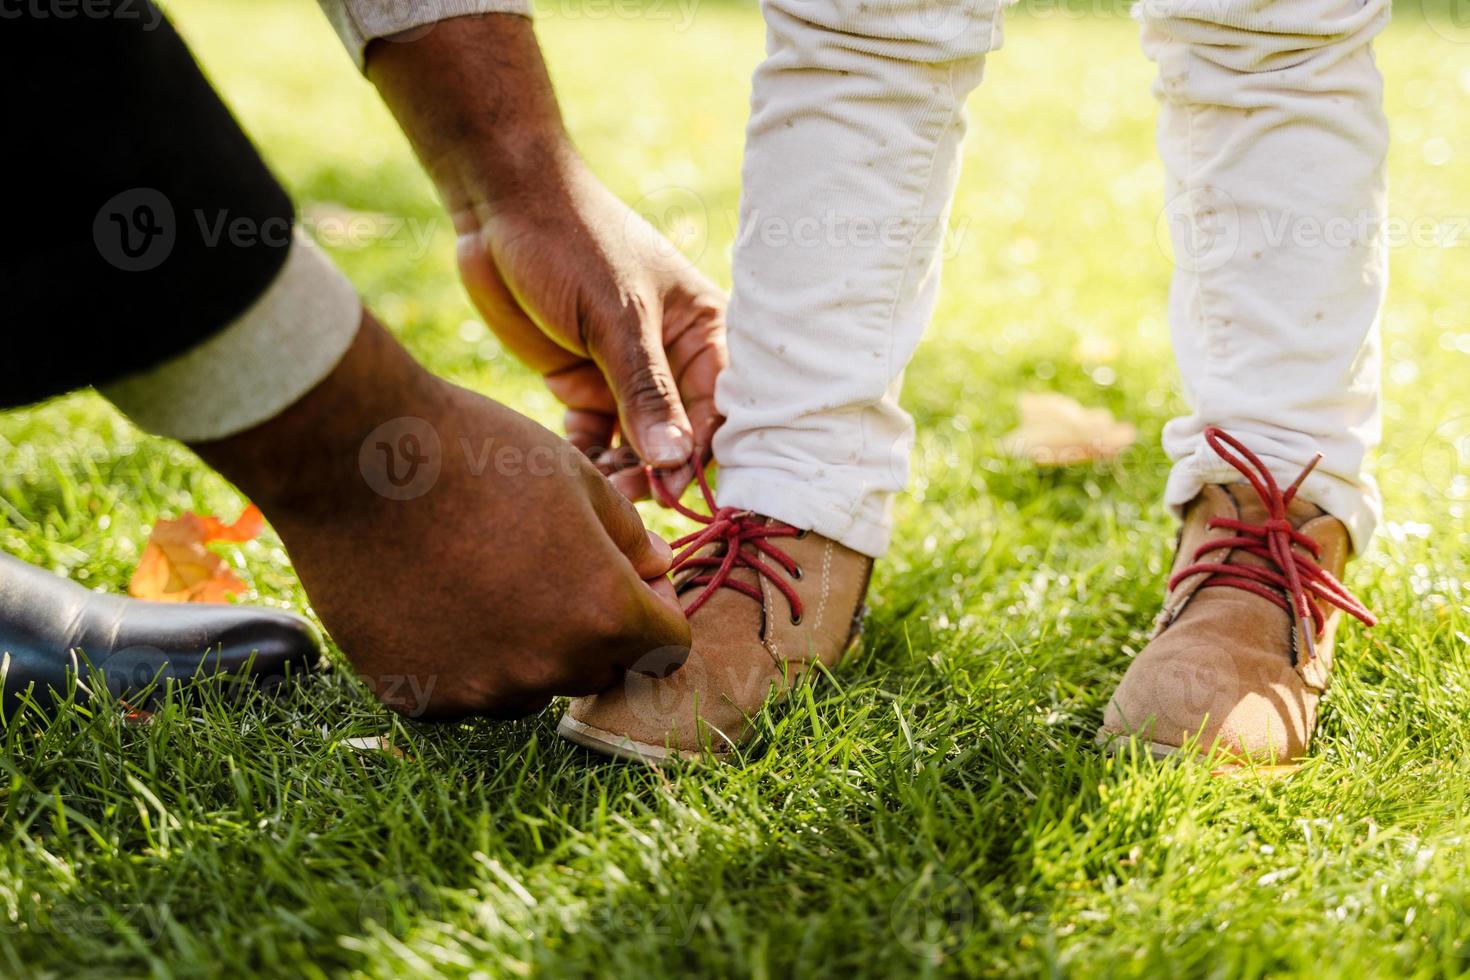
<point>766,602</point>
<point>1243,647</point>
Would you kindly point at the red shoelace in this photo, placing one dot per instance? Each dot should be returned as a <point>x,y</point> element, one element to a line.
<point>1296,583</point>
<point>747,538</point>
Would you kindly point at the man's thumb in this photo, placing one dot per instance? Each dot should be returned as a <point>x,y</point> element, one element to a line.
<point>653,418</point>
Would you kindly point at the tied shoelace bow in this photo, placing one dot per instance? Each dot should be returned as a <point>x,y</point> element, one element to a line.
<point>1296,583</point>
<point>746,536</point>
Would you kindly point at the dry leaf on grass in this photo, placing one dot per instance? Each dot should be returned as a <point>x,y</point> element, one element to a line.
<point>374,743</point>
<point>177,565</point>
<point>1058,431</point>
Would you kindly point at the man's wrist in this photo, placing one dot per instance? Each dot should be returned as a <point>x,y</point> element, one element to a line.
<point>295,464</point>
<point>530,171</point>
<point>475,99</point>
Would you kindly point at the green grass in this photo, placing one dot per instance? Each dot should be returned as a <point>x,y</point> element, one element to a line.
<point>937,806</point>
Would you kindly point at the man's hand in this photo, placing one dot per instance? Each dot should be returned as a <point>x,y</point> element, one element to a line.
<point>466,560</point>
<point>627,336</point>
<point>626,332</point>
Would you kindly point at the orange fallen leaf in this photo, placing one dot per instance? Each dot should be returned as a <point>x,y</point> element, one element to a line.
<point>1057,431</point>
<point>177,565</point>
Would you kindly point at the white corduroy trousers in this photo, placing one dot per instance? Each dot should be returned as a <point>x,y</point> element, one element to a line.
<point>1273,138</point>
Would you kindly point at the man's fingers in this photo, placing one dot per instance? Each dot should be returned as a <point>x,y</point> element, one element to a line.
<point>503,314</point>
<point>698,355</point>
<point>695,340</point>
<point>621,457</point>
<point>624,469</point>
<point>631,483</point>
<point>664,589</point>
<point>664,638</point>
<point>663,553</point>
<point>632,358</point>
<point>591,432</point>
<point>677,479</point>
<point>706,420</point>
<point>649,554</point>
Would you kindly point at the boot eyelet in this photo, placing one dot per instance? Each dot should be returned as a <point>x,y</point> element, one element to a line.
<point>801,535</point>
<point>798,574</point>
<point>795,620</point>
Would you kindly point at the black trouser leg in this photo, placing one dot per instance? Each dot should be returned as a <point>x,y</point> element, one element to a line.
<point>141,219</point>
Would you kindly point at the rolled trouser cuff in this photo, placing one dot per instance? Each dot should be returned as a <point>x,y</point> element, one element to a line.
<point>1356,504</point>
<point>864,526</point>
<point>263,362</point>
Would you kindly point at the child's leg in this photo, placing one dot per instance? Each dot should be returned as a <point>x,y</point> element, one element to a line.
<point>853,150</point>
<point>1273,135</point>
<point>852,154</point>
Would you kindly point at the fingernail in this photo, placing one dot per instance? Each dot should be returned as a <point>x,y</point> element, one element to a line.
<point>667,444</point>
<point>661,549</point>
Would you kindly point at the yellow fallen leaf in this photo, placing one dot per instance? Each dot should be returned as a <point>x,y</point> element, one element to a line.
<point>374,743</point>
<point>1057,431</point>
<point>177,565</point>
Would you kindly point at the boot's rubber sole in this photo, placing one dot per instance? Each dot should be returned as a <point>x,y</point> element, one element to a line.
<point>621,746</point>
<point>1113,743</point>
<point>625,747</point>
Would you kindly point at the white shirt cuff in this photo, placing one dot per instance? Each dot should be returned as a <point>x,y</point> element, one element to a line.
<point>359,21</point>
<point>279,349</point>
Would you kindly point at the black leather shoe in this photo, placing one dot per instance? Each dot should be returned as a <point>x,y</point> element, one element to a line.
<point>52,629</point>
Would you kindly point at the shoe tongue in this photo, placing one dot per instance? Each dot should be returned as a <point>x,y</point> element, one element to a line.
<point>684,585</point>
<point>1253,509</point>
